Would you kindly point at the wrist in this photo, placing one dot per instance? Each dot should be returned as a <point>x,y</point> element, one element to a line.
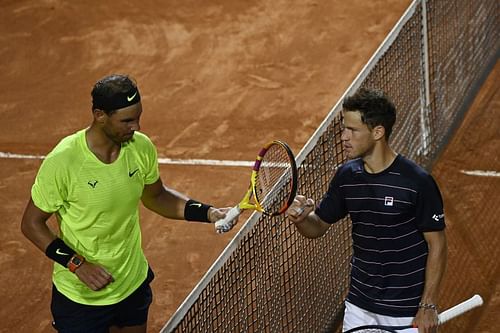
<point>307,217</point>
<point>428,306</point>
<point>196,211</point>
<point>304,220</point>
<point>75,262</point>
<point>59,252</point>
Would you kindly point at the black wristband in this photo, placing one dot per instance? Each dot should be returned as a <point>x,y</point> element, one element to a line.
<point>59,252</point>
<point>196,211</point>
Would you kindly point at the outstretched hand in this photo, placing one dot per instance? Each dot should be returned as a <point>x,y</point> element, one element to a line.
<point>217,214</point>
<point>300,209</point>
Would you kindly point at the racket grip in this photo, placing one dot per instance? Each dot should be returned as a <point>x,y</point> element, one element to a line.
<point>226,224</point>
<point>458,309</point>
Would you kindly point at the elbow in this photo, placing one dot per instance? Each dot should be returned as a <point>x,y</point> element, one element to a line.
<point>313,228</point>
<point>441,243</point>
<point>311,234</point>
<point>25,228</point>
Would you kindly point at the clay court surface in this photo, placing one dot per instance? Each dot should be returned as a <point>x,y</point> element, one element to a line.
<point>218,79</point>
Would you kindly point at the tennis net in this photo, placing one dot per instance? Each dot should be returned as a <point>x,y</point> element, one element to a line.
<point>270,278</point>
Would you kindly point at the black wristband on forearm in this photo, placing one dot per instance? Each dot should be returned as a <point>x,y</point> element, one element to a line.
<point>196,211</point>
<point>59,252</point>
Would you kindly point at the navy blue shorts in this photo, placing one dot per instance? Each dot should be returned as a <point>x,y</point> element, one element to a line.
<point>72,317</point>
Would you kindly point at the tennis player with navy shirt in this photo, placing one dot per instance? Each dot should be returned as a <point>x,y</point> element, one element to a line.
<point>398,229</point>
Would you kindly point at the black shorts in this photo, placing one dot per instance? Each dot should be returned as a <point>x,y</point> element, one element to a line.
<point>72,317</point>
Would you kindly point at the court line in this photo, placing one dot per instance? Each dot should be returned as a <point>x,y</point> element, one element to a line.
<point>161,160</point>
<point>481,173</point>
<point>175,161</point>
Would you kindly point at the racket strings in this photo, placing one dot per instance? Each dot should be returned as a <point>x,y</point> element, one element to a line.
<point>276,172</point>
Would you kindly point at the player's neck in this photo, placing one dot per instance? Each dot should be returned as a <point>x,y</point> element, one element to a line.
<point>379,159</point>
<point>103,147</point>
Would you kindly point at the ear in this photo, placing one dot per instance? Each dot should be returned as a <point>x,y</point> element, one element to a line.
<point>99,115</point>
<point>378,132</point>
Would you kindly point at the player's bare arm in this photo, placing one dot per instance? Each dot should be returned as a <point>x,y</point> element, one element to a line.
<point>426,318</point>
<point>301,213</point>
<point>164,201</point>
<point>171,204</point>
<point>34,227</point>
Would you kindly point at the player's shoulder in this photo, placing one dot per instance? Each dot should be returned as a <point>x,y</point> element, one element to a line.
<point>348,171</point>
<point>141,139</point>
<point>141,136</point>
<point>410,168</point>
<point>66,147</point>
<point>351,167</point>
<point>141,146</point>
<point>414,174</point>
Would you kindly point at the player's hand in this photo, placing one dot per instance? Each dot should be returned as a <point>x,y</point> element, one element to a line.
<point>300,209</point>
<point>94,276</point>
<point>216,214</point>
<point>426,320</point>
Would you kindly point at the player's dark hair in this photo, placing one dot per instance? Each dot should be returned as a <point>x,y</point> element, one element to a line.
<point>114,92</point>
<point>375,108</point>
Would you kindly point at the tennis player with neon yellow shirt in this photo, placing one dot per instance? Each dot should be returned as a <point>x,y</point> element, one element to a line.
<point>93,181</point>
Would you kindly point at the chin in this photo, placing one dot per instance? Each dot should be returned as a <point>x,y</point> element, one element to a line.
<point>351,155</point>
<point>128,137</point>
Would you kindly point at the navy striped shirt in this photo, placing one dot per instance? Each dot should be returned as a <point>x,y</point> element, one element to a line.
<point>390,211</point>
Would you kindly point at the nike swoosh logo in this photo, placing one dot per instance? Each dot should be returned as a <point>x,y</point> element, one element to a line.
<point>196,204</point>
<point>130,174</point>
<point>130,98</point>
<point>58,251</point>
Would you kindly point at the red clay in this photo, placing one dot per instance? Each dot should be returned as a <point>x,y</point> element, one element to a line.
<point>218,79</point>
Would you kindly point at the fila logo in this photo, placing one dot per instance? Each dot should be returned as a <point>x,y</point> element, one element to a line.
<point>389,201</point>
<point>92,183</point>
<point>437,217</point>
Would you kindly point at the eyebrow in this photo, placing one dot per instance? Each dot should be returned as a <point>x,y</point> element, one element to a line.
<point>131,117</point>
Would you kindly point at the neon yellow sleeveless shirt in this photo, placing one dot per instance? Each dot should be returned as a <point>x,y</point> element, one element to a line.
<point>97,208</point>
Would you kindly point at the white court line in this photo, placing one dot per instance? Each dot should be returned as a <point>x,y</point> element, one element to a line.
<point>161,160</point>
<point>205,162</point>
<point>482,173</point>
<point>19,156</point>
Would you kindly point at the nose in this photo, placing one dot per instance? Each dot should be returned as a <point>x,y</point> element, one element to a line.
<point>343,135</point>
<point>135,126</point>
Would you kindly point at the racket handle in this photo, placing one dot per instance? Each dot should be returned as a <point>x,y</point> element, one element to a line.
<point>458,309</point>
<point>226,224</point>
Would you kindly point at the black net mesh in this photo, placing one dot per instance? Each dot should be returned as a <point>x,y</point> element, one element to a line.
<point>274,280</point>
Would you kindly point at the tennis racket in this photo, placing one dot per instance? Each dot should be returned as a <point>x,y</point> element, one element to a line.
<point>443,317</point>
<point>274,168</point>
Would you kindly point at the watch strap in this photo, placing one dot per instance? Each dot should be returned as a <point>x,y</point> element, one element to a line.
<point>75,262</point>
